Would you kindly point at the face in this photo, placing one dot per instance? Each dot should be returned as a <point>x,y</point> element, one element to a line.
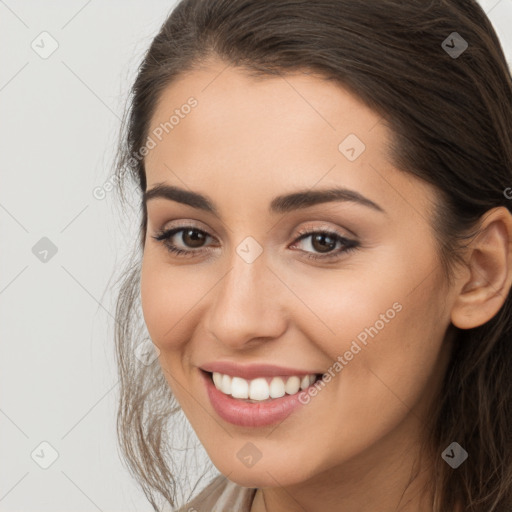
<point>270,290</point>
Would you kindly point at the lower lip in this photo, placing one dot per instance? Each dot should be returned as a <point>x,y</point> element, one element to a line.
<point>246,414</point>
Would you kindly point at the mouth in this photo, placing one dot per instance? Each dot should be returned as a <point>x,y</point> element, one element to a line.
<point>260,401</point>
<point>261,389</point>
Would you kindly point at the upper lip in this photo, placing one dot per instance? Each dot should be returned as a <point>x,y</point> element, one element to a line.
<point>252,371</point>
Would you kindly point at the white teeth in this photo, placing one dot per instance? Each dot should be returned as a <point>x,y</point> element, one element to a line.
<point>225,385</point>
<point>277,388</point>
<point>292,385</point>
<point>239,388</point>
<point>217,380</point>
<point>261,388</point>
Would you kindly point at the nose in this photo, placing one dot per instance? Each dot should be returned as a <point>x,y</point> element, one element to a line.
<point>247,305</point>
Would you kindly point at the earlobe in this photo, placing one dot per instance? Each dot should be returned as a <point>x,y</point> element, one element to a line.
<point>489,262</point>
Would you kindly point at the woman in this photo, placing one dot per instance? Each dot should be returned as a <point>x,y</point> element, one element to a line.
<point>326,256</point>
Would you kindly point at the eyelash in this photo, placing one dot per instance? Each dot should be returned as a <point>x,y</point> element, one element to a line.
<point>348,244</point>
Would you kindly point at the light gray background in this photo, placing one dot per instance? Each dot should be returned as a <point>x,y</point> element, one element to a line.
<point>58,130</point>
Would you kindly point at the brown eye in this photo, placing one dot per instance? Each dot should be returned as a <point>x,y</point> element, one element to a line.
<point>323,242</point>
<point>190,242</point>
<point>321,245</point>
<point>193,238</point>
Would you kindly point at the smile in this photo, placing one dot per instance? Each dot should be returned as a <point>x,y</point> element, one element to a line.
<point>265,396</point>
<point>261,388</point>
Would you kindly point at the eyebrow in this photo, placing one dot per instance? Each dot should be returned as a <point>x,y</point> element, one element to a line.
<point>280,204</point>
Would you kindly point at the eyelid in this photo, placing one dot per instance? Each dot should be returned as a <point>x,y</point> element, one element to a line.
<point>306,229</point>
<point>309,228</point>
<point>348,244</point>
<point>184,224</point>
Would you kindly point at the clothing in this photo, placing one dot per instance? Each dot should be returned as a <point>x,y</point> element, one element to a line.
<point>221,495</point>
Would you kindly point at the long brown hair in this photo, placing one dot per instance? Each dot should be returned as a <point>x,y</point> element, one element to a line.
<point>451,120</point>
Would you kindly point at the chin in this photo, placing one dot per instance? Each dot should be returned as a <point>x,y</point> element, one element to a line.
<point>262,476</point>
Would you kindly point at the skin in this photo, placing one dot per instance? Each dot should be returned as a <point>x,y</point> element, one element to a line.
<point>249,140</point>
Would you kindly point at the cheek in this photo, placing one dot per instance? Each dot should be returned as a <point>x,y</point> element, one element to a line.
<point>161,299</point>
<point>401,351</point>
<point>384,319</point>
<point>172,298</point>
<point>337,307</point>
<point>164,305</point>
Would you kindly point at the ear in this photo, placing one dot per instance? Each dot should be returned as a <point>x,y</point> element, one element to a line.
<point>486,284</point>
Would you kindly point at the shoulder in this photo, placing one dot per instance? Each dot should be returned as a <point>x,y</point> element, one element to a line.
<point>221,495</point>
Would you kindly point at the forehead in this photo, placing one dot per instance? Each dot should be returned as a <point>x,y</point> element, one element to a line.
<point>232,104</point>
<point>297,129</point>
